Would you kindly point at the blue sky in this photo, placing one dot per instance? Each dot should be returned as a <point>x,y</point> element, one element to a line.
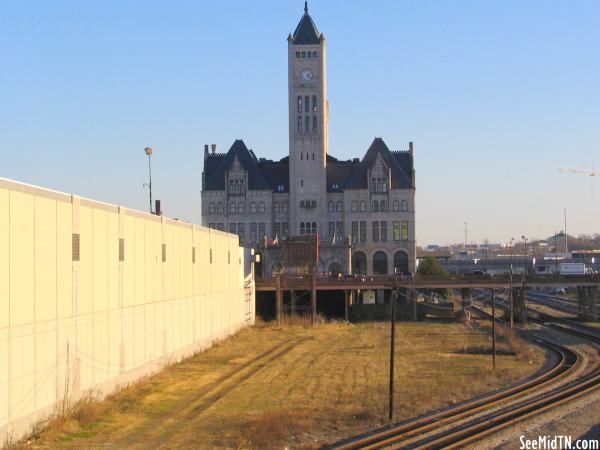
<point>496,96</point>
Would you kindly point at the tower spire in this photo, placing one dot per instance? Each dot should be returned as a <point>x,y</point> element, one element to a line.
<point>306,7</point>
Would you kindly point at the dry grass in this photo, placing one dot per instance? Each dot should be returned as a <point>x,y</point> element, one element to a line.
<point>320,384</point>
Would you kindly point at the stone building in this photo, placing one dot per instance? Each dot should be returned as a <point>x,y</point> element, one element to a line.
<point>362,209</point>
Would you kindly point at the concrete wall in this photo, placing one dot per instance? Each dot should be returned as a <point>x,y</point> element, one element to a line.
<point>101,321</point>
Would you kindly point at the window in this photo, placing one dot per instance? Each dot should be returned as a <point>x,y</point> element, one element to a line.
<point>363,231</point>
<point>304,54</point>
<point>211,208</point>
<point>212,225</point>
<point>380,263</point>
<point>339,206</point>
<point>330,229</point>
<point>396,230</point>
<point>354,230</point>
<point>354,206</point>
<point>241,208</point>
<point>383,232</point>
<point>252,207</point>
<point>359,260</point>
<point>339,229</point>
<point>75,247</point>
<point>302,203</point>
<point>232,209</point>
<point>164,253</point>
<point>261,207</point>
<point>253,237</point>
<point>314,128</point>
<point>400,262</point>
<point>241,232</point>
<point>307,124</point>
<point>280,188</point>
<point>363,206</point>
<point>335,187</point>
<point>376,231</point>
<point>301,183</point>
<point>309,54</point>
<point>299,124</point>
<point>284,229</point>
<point>284,207</point>
<point>331,206</point>
<point>219,208</point>
<point>314,104</point>
<point>299,104</point>
<point>232,228</point>
<point>306,106</point>
<point>405,230</point>
<point>404,205</point>
<point>383,206</point>
<point>261,230</point>
<point>121,249</point>
<point>396,206</point>
<point>375,206</point>
<point>313,156</point>
<point>314,228</point>
<point>314,54</point>
<point>277,229</point>
<point>301,156</point>
<point>384,186</point>
<point>221,226</point>
<point>276,207</point>
<point>302,228</point>
<point>297,54</point>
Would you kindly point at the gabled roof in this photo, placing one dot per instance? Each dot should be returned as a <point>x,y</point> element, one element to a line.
<point>338,173</point>
<point>306,32</point>
<point>400,164</point>
<point>277,173</point>
<point>215,167</point>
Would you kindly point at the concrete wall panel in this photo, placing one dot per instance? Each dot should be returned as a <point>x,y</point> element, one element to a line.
<point>4,269</point>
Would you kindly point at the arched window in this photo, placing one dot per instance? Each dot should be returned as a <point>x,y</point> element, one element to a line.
<point>404,205</point>
<point>400,262</point>
<point>359,263</point>
<point>314,103</point>
<point>335,268</point>
<point>314,228</point>
<point>331,206</point>
<point>306,104</point>
<point>211,208</point>
<point>219,208</point>
<point>231,186</point>
<point>261,207</point>
<point>380,263</point>
<point>300,104</point>
<point>396,206</point>
<point>354,206</point>
<point>276,207</point>
<point>339,206</point>
<point>375,206</point>
<point>302,228</point>
<point>253,207</point>
<point>232,209</point>
<point>241,208</point>
<point>383,206</point>
<point>363,206</point>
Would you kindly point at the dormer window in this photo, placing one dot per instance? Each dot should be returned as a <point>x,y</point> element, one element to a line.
<point>280,188</point>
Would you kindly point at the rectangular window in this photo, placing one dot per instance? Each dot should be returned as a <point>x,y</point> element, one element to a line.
<point>383,233</point>
<point>299,124</point>
<point>314,124</point>
<point>75,247</point>
<point>304,54</point>
<point>241,232</point>
<point>211,225</point>
<point>193,255</point>
<point>284,207</point>
<point>121,249</point>
<point>284,228</point>
<point>396,230</point>
<point>164,253</point>
<point>261,230</point>
<point>354,230</point>
<point>405,230</point>
<point>232,229</point>
<point>363,231</point>
<point>339,228</point>
<point>314,54</point>
<point>253,232</point>
<point>330,229</point>
<point>376,231</point>
<point>277,229</point>
<point>221,226</point>
<point>297,54</point>
<point>306,124</point>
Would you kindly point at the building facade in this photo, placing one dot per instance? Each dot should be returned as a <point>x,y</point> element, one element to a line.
<point>362,209</point>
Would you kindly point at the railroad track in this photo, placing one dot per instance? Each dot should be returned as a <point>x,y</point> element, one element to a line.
<point>469,421</point>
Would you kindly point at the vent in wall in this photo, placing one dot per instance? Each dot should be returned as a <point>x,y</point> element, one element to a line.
<point>75,246</point>
<point>121,249</point>
<point>164,253</point>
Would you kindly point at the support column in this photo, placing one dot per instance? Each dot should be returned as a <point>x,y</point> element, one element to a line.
<point>278,300</point>
<point>313,300</point>
<point>293,301</point>
<point>413,297</point>
<point>346,302</point>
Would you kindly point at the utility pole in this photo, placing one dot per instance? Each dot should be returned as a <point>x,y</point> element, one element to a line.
<point>493,329</point>
<point>392,342</point>
<point>510,286</point>
<point>148,151</point>
<point>466,231</point>
<point>566,239</point>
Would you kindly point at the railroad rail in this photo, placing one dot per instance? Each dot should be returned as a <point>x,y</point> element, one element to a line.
<point>545,391</point>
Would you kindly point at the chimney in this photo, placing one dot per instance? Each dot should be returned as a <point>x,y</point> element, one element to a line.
<point>157,210</point>
<point>213,148</point>
<point>410,147</point>
<point>205,151</point>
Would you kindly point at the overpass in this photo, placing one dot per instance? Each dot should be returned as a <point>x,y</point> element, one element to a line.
<point>587,286</point>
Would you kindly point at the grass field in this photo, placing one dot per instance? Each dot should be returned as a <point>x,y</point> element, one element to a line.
<point>294,387</point>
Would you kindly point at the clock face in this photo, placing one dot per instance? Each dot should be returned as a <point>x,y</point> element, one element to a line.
<point>306,75</point>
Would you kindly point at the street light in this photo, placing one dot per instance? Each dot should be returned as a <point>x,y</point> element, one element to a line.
<point>148,151</point>
<point>525,239</point>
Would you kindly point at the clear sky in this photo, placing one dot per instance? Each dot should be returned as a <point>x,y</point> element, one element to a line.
<point>496,96</point>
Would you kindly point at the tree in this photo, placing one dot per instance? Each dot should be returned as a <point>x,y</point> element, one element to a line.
<point>431,266</point>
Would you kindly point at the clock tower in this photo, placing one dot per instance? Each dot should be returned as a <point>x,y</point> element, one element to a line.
<point>308,128</point>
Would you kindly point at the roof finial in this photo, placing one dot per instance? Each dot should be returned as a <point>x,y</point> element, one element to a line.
<point>306,7</point>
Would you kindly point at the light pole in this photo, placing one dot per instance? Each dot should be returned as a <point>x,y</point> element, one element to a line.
<point>525,240</point>
<point>510,273</point>
<point>148,151</point>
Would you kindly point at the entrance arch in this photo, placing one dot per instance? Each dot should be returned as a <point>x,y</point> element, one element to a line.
<point>400,262</point>
<point>359,263</point>
<point>380,266</point>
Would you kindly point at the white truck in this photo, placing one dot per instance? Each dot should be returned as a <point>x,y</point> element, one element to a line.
<point>574,269</point>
